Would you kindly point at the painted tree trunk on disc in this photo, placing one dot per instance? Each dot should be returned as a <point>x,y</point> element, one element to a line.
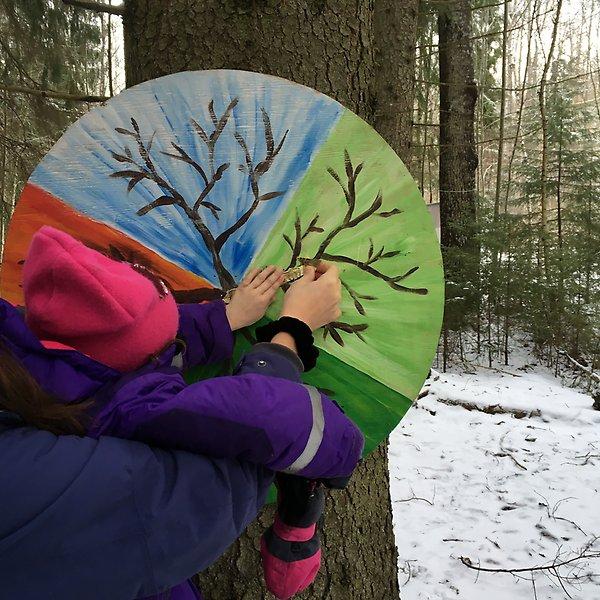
<point>363,56</point>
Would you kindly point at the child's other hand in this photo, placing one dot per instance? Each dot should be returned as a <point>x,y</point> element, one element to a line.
<point>315,298</point>
<point>253,296</point>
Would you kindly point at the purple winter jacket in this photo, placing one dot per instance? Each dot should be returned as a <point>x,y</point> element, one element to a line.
<point>271,421</point>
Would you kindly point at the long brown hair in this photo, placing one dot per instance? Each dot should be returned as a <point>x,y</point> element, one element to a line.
<point>20,393</point>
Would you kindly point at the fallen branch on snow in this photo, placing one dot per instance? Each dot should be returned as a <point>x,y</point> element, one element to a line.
<point>578,365</point>
<point>551,570</point>
<point>491,409</point>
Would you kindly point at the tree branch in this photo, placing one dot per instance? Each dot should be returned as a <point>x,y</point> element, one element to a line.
<point>254,174</point>
<point>391,281</point>
<point>583,555</point>
<point>210,185</point>
<point>19,89</point>
<point>335,327</point>
<point>350,195</point>
<point>413,497</point>
<point>171,196</point>
<point>356,298</point>
<point>348,221</point>
<point>297,245</point>
<point>367,213</point>
<point>186,158</point>
<point>491,409</point>
<point>150,171</point>
<point>96,6</point>
<point>162,201</point>
<point>587,370</point>
<point>17,63</point>
<point>210,141</point>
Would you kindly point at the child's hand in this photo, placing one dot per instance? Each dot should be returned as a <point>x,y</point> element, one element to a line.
<point>253,296</point>
<point>315,298</point>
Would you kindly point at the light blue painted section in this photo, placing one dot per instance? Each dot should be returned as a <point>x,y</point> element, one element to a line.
<point>77,168</point>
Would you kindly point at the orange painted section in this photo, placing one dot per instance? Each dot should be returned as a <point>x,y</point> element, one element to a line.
<point>36,208</point>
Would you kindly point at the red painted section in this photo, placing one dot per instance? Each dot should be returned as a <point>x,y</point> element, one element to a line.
<point>37,207</point>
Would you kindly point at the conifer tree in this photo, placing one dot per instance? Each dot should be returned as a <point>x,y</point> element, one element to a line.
<point>44,47</point>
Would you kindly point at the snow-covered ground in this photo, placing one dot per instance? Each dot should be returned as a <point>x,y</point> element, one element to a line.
<point>501,491</point>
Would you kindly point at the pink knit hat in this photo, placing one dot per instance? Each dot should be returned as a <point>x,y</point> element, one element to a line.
<point>103,308</point>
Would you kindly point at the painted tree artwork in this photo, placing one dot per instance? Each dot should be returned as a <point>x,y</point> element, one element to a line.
<point>201,176</point>
<point>144,168</point>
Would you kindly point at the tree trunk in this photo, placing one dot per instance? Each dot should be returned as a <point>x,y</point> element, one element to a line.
<point>458,163</point>
<point>517,135</point>
<point>111,89</point>
<point>502,112</point>
<point>544,123</point>
<point>363,56</point>
<point>458,95</point>
<point>394,36</point>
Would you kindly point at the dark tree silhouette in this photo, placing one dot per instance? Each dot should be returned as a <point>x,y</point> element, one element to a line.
<point>143,168</point>
<point>368,264</point>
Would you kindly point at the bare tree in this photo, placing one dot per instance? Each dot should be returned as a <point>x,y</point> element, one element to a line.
<point>368,264</point>
<point>142,168</point>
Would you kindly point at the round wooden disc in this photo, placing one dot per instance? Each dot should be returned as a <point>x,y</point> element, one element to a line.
<point>204,175</point>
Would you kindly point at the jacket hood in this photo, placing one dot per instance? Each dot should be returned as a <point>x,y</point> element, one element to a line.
<point>67,375</point>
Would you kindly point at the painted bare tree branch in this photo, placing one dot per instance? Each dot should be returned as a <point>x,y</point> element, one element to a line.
<point>368,264</point>
<point>143,168</point>
<point>254,174</point>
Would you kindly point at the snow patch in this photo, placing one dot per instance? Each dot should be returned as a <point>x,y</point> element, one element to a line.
<point>502,491</point>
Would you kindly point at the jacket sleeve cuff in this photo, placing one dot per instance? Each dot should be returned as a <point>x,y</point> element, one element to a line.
<point>206,332</point>
<point>271,359</point>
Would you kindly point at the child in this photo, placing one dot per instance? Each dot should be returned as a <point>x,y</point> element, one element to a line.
<point>118,328</point>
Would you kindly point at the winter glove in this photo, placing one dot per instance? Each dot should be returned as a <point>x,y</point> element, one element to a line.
<point>290,548</point>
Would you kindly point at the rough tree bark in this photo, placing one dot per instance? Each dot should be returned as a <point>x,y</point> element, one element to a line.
<point>362,54</point>
<point>458,95</point>
<point>458,164</point>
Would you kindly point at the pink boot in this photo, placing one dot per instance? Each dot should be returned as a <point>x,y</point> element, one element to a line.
<point>290,548</point>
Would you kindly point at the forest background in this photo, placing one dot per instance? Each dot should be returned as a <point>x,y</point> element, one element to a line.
<point>504,137</point>
<point>528,259</point>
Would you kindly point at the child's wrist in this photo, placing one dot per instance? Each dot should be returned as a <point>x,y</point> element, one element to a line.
<point>299,331</point>
<point>234,323</point>
<point>285,339</point>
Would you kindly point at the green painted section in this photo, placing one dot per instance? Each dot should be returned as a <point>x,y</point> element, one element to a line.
<point>373,380</point>
<point>374,406</point>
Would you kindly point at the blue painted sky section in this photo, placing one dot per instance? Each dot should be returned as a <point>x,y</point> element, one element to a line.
<point>77,168</point>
